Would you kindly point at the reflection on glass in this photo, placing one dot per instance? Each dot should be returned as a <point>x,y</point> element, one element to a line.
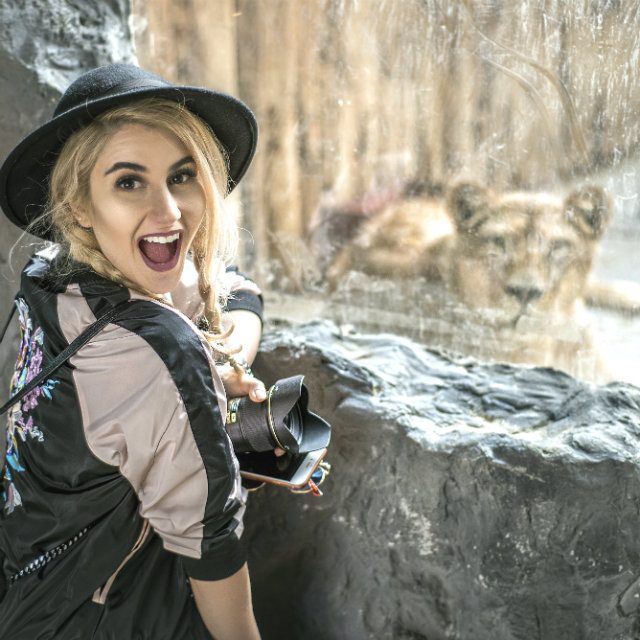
<point>463,173</point>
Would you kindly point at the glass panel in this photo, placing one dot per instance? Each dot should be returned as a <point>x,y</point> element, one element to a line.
<point>463,173</point>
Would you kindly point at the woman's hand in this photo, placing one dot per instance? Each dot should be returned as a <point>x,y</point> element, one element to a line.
<point>241,384</point>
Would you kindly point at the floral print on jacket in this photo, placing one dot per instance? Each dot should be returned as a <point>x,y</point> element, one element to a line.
<point>20,424</point>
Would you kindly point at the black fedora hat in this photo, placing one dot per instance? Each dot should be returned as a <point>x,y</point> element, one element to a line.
<point>24,175</point>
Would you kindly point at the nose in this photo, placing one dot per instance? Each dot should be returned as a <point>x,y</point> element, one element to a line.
<point>524,293</point>
<point>164,208</point>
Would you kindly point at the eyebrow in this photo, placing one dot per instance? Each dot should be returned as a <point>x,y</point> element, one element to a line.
<point>133,166</point>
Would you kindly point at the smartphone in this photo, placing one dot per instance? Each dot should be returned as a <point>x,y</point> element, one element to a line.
<point>291,471</point>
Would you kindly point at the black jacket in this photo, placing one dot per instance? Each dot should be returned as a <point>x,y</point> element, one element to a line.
<point>120,478</point>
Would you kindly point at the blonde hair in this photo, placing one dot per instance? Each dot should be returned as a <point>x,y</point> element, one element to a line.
<point>216,238</point>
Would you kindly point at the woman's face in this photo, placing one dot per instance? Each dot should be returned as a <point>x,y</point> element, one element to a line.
<point>146,205</point>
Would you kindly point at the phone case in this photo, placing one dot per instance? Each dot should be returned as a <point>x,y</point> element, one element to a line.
<point>297,476</point>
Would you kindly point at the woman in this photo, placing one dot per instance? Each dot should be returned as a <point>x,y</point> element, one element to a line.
<point>123,505</point>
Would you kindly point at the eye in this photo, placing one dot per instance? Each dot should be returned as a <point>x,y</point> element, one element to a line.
<point>560,249</point>
<point>128,183</point>
<point>182,176</point>
<point>496,244</point>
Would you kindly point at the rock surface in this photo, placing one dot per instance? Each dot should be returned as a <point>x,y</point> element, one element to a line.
<point>465,501</point>
<point>44,45</point>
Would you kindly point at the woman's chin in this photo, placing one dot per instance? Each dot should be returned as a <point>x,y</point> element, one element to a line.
<point>160,281</point>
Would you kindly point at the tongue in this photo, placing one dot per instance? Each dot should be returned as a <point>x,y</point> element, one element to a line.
<point>157,252</point>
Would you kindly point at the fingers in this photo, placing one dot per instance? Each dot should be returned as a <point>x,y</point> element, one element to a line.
<point>279,452</point>
<point>257,393</point>
<point>241,383</point>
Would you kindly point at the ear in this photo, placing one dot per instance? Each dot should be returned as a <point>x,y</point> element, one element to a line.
<point>81,217</point>
<point>589,209</point>
<point>468,204</point>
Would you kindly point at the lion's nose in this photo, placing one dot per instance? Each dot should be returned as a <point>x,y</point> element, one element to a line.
<point>524,293</point>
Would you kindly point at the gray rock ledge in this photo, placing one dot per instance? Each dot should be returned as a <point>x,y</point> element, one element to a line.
<point>466,500</point>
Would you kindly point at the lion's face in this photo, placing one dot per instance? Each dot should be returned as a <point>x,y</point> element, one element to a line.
<point>523,254</point>
<point>514,254</point>
<point>506,273</point>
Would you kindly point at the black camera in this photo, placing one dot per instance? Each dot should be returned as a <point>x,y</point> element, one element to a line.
<point>282,420</point>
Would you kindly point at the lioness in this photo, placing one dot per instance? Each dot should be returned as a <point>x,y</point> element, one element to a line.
<point>524,259</point>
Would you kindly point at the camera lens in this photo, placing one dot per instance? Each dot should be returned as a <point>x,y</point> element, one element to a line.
<point>283,420</point>
<point>293,422</point>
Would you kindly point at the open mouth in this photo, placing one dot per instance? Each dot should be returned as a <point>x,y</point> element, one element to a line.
<point>525,311</point>
<point>161,251</point>
<point>514,321</point>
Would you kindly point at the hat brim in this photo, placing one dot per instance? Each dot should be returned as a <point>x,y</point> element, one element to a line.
<point>24,175</point>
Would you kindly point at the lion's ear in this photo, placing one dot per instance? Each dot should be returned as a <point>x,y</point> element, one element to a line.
<point>468,203</point>
<point>589,209</point>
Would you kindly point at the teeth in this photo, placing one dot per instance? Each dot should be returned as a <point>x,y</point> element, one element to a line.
<point>162,239</point>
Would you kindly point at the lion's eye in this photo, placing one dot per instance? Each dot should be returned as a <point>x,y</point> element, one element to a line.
<point>496,244</point>
<point>560,249</point>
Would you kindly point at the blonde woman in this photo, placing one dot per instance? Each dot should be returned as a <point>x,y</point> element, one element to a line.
<point>122,514</point>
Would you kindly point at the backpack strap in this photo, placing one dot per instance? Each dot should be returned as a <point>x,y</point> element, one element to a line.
<point>64,355</point>
<point>8,322</point>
